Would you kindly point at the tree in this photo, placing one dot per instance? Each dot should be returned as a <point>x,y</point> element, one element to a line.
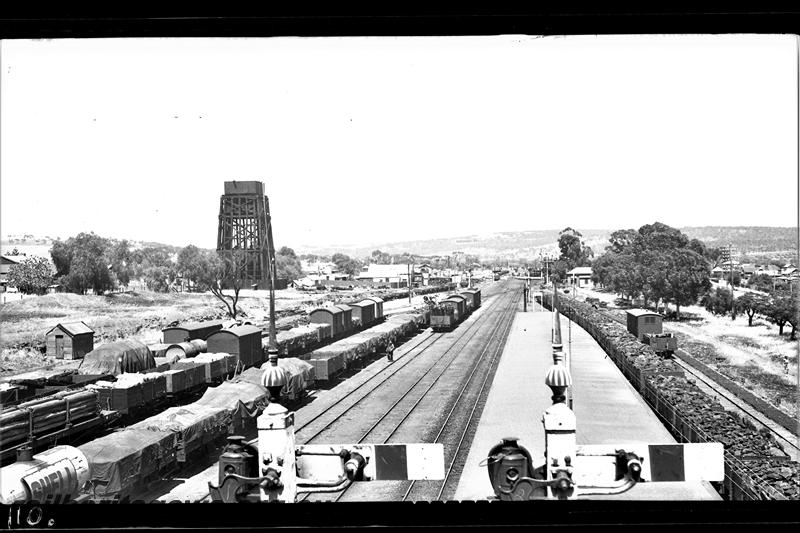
<point>718,302</point>
<point>558,271</point>
<point>194,264</point>
<point>31,276</point>
<point>751,304</point>
<point>159,278</point>
<point>761,282</point>
<point>14,251</point>
<point>687,277</point>
<point>121,261</point>
<point>698,247</point>
<point>620,240</point>
<point>780,311</point>
<point>287,264</point>
<point>82,262</point>
<point>573,252</point>
<point>380,258</point>
<point>224,272</point>
<point>345,264</point>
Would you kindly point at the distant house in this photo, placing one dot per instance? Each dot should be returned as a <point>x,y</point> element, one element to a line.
<point>395,275</point>
<point>6,262</point>
<point>580,277</point>
<point>769,270</point>
<point>748,271</point>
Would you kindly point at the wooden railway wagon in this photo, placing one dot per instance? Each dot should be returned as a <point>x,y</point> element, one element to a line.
<point>467,307</point>
<point>194,330</point>
<point>347,316</point>
<point>41,422</point>
<point>641,321</point>
<point>331,315</point>
<point>364,311</point>
<point>330,361</point>
<point>242,341</point>
<point>378,307</point>
<point>475,294</point>
<point>122,462</point>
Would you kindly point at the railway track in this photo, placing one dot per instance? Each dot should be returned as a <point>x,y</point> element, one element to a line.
<point>787,439</point>
<point>459,451</point>
<point>402,411</point>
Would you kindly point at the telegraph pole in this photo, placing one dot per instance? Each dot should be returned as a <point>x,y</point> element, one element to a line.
<point>409,283</point>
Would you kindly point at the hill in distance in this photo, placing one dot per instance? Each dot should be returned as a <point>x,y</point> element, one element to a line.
<point>528,244</point>
<point>751,240</point>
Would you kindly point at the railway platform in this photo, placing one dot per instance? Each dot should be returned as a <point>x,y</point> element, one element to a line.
<point>608,409</point>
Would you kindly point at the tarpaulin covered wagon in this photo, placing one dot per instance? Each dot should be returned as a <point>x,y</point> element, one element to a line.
<point>116,358</point>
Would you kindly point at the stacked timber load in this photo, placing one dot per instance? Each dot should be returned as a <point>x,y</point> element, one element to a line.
<point>46,415</point>
<point>14,427</point>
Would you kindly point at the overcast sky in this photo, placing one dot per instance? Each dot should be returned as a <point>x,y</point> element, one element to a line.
<point>368,140</point>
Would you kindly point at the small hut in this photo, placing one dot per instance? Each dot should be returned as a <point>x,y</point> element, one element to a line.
<point>71,340</point>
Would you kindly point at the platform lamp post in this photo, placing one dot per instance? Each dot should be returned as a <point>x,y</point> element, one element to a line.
<point>274,377</point>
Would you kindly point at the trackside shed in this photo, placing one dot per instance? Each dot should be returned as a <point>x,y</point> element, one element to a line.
<point>70,340</point>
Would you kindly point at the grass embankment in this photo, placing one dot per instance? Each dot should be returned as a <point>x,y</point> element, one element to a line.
<point>25,322</point>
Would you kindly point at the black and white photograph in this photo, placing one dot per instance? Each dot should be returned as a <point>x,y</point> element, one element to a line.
<point>399,269</point>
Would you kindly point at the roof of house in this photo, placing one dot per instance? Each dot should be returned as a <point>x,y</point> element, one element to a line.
<point>580,271</point>
<point>8,260</point>
<point>748,268</point>
<point>384,271</point>
<point>73,328</point>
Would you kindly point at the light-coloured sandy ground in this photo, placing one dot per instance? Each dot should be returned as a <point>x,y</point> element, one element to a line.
<point>753,354</point>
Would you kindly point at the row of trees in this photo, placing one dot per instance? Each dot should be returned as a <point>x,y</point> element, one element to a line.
<point>657,262</point>
<point>779,307</point>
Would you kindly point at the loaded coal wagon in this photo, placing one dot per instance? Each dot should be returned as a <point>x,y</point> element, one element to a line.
<point>447,314</point>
